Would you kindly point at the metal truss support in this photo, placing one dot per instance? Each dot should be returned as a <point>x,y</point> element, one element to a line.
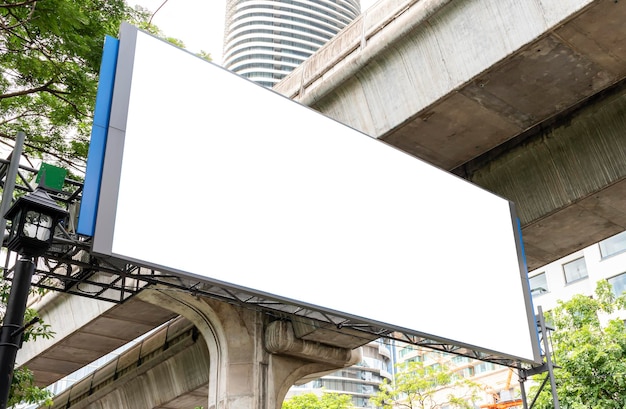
<point>70,267</point>
<point>547,366</point>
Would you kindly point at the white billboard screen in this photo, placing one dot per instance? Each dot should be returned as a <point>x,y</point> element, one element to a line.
<point>209,175</point>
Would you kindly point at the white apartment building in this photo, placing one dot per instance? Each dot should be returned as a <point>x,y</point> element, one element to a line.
<point>579,273</point>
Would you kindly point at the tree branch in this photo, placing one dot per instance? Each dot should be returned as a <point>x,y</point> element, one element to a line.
<point>59,94</point>
<point>62,159</point>
<point>13,5</point>
<point>22,115</point>
<point>44,87</point>
<point>19,23</point>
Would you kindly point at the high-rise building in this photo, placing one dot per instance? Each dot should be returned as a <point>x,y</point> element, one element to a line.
<point>265,40</point>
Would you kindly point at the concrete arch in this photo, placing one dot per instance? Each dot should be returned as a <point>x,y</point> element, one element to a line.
<point>209,325</point>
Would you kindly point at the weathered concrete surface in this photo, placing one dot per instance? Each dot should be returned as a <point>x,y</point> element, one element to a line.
<point>243,372</point>
<point>166,370</point>
<point>234,358</point>
<point>449,81</point>
<point>85,329</point>
<point>572,178</point>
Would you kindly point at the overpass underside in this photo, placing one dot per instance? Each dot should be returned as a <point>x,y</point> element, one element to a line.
<point>522,98</point>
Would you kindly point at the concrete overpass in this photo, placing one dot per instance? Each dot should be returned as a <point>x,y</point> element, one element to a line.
<point>523,98</point>
<point>214,355</point>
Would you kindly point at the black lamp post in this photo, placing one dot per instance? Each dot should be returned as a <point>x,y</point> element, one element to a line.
<point>34,218</point>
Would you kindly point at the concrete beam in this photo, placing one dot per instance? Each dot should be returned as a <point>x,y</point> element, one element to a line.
<point>84,330</point>
<point>281,339</point>
<point>169,377</point>
<point>450,82</point>
<point>568,181</point>
<point>227,361</point>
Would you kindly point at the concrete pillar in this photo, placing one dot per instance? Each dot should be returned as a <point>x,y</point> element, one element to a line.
<point>253,361</point>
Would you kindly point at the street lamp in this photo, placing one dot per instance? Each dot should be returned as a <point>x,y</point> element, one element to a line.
<point>34,218</point>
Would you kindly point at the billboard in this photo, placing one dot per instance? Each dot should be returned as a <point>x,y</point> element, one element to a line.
<point>205,174</point>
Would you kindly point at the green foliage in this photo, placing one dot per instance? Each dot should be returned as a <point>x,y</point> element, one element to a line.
<point>143,21</point>
<point>23,389</point>
<point>50,56</point>
<point>204,55</point>
<point>590,352</point>
<point>420,386</point>
<point>50,52</point>
<point>313,401</point>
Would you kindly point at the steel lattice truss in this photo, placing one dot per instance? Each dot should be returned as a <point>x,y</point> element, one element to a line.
<point>69,267</point>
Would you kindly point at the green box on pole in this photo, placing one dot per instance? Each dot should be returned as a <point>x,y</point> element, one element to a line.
<point>54,177</point>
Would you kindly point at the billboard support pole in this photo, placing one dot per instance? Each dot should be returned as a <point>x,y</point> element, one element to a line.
<point>523,390</point>
<point>547,366</point>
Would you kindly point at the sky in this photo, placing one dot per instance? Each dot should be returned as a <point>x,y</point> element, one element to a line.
<point>198,23</point>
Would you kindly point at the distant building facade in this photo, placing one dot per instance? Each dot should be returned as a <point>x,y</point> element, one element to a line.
<point>265,40</point>
<point>580,272</point>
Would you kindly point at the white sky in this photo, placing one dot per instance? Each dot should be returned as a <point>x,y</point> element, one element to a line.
<point>198,23</point>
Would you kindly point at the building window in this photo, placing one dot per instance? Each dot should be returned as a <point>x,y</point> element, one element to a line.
<point>484,367</point>
<point>458,359</point>
<point>613,245</point>
<point>575,270</point>
<point>538,284</point>
<point>466,372</point>
<point>418,358</point>
<point>406,351</point>
<point>618,283</point>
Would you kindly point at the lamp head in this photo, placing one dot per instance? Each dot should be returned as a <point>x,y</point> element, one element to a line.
<point>34,218</point>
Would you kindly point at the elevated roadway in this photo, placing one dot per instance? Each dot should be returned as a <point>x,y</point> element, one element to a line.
<point>524,98</point>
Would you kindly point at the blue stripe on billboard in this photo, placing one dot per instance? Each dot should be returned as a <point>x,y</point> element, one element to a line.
<point>530,295</point>
<point>99,130</point>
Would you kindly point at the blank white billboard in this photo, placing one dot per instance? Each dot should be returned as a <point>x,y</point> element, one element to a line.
<point>209,175</point>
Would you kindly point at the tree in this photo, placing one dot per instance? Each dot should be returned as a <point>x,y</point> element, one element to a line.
<point>313,401</point>
<point>590,352</point>
<point>420,386</point>
<point>50,54</point>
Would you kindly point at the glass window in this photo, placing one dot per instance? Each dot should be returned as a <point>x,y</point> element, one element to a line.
<point>458,359</point>
<point>618,283</point>
<point>466,372</point>
<point>406,350</point>
<point>575,270</point>
<point>484,367</point>
<point>613,245</point>
<point>538,284</point>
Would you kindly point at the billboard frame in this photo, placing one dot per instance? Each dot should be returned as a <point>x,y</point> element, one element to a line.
<point>107,214</point>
